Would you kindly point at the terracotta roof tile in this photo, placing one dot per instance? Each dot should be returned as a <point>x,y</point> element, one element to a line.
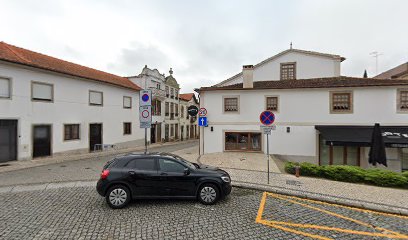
<point>26,57</point>
<point>186,96</point>
<point>333,82</point>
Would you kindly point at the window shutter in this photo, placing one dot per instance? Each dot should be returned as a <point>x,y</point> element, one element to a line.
<point>4,88</point>
<point>95,98</point>
<point>42,91</point>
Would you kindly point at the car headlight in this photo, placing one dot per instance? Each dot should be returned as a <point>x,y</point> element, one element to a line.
<point>225,179</point>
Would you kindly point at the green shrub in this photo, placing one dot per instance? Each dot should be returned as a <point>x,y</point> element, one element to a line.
<point>353,174</point>
<point>385,178</point>
<point>342,173</point>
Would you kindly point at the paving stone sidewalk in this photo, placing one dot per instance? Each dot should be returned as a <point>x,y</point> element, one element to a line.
<point>249,170</point>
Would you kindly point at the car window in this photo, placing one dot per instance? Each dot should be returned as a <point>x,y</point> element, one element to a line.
<point>147,164</point>
<point>170,166</point>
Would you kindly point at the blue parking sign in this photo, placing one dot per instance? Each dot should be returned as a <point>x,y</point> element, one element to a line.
<point>202,121</point>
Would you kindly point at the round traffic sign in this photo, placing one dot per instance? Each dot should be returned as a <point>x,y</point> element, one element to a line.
<point>267,117</point>
<point>192,110</point>
<point>145,113</point>
<point>145,97</point>
<point>202,112</point>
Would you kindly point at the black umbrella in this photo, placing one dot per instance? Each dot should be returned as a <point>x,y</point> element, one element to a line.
<point>377,150</point>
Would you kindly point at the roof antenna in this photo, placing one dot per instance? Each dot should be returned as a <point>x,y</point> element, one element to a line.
<point>376,54</point>
<point>290,45</point>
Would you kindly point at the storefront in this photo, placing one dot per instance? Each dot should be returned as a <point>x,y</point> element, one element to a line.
<point>343,145</point>
<point>242,141</point>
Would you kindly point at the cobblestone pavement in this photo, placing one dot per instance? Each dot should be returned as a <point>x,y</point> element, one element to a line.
<point>323,220</point>
<point>84,169</point>
<point>79,213</point>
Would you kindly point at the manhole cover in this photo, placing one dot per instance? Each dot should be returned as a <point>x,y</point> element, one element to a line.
<point>293,182</point>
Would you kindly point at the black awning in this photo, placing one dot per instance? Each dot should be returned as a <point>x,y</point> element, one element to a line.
<point>393,136</point>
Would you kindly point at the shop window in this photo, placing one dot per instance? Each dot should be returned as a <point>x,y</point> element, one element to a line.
<point>338,155</point>
<point>242,141</point>
<point>341,102</point>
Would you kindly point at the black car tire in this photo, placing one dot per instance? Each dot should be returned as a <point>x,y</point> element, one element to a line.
<point>118,196</point>
<point>208,194</point>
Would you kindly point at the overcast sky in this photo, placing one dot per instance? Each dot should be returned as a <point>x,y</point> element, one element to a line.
<point>206,42</point>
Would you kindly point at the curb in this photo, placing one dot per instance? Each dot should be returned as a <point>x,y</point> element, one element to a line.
<point>330,199</point>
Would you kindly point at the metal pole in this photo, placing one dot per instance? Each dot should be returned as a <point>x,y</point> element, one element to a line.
<point>267,152</point>
<point>145,140</point>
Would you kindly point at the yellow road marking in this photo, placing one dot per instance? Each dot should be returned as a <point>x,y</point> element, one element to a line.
<point>278,224</point>
<point>333,214</point>
<point>294,231</point>
<point>336,229</point>
<point>348,207</point>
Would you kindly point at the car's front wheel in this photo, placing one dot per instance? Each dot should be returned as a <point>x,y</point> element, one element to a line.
<point>118,196</point>
<point>208,194</point>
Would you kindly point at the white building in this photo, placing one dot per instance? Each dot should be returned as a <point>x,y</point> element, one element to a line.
<point>188,124</point>
<point>49,106</point>
<point>321,117</point>
<point>165,95</point>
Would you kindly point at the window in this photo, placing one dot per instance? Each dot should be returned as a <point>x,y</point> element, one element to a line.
<point>171,110</point>
<point>147,164</point>
<point>403,100</point>
<point>288,71</point>
<point>127,102</point>
<point>341,102</point>
<point>242,141</point>
<point>71,132</point>
<point>42,92</point>
<point>167,91</point>
<point>176,109</point>
<point>95,98</point>
<point>166,109</point>
<point>5,88</point>
<point>172,92</point>
<point>156,107</point>
<point>171,130</point>
<point>338,155</point>
<point>272,103</point>
<point>127,128</point>
<point>158,85</point>
<point>182,111</point>
<point>176,93</point>
<point>167,165</point>
<point>231,104</point>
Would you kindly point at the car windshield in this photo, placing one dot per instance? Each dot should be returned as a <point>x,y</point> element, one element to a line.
<point>189,164</point>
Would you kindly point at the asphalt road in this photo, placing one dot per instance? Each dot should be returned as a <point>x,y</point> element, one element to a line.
<point>85,169</point>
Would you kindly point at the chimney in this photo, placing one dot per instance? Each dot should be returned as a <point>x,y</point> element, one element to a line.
<point>248,75</point>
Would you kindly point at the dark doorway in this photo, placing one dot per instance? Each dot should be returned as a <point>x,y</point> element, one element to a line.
<point>95,135</point>
<point>41,140</point>
<point>8,140</point>
<point>153,134</point>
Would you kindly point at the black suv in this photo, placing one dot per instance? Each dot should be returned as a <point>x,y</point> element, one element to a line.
<point>160,175</point>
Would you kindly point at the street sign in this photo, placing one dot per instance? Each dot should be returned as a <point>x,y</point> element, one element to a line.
<point>145,98</point>
<point>267,117</point>
<point>202,112</point>
<point>192,110</point>
<point>145,114</point>
<point>145,124</point>
<point>202,122</point>
<point>267,129</point>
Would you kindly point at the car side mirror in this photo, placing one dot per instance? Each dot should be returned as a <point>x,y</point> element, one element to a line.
<point>186,171</point>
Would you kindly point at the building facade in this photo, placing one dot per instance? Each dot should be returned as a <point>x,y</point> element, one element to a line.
<point>188,124</point>
<point>165,104</point>
<point>49,106</point>
<point>322,120</point>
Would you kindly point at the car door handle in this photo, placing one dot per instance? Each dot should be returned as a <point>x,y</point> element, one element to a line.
<point>132,173</point>
<point>163,174</point>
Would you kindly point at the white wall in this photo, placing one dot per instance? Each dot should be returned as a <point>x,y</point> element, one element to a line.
<point>307,66</point>
<point>71,105</point>
<point>300,110</point>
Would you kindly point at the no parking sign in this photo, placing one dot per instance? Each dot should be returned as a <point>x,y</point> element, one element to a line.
<point>145,98</point>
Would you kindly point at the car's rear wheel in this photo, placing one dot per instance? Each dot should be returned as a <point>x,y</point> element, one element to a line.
<point>208,194</point>
<point>118,196</point>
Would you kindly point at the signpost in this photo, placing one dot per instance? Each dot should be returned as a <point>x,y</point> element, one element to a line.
<point>267,118</point>
<point>145,112</point>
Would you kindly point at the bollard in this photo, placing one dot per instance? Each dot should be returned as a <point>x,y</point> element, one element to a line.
<point>297,170</point>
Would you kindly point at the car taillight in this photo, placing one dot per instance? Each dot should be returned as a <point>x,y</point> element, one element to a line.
<point>105,174</point>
